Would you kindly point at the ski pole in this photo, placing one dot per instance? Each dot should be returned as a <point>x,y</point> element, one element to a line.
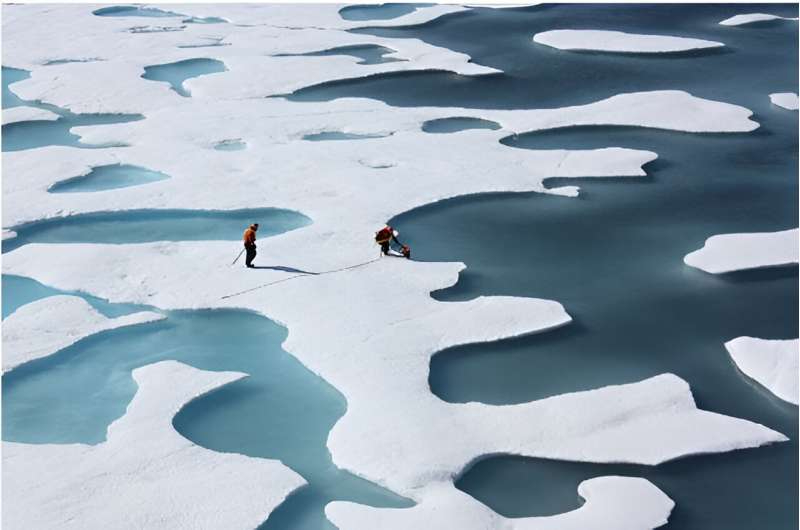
<point>237,257</point>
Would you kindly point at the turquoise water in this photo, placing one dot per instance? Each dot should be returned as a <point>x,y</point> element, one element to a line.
<point>368,53</point>
<point>452,125</point>
<point>108,178</point>
<point>133,11</point>
<point>280,411</point>
<point>140,226</point>
<point>176,73</point>
<point>18,291</point>
<point>230,145</point>
<point>338,135</point>
<point>33,134</point>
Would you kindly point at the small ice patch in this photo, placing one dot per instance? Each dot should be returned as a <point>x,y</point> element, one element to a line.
<point>734,252</point>
<point>773,363</point>
<point>20,114</point>
<point>787,100</point>
<point>750,18</point>
<point>620,42</point>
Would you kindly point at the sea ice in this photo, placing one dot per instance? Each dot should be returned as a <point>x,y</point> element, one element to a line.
<point>749,18</point>
<point>145,475</point>
<point>733,252</point>
<point>44,327</point>
<point>787,100</point>
<point>618,41</point>
<point>19,114</point>
<point>773,363</point>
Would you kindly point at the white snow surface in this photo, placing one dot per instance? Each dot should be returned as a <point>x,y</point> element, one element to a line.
<point>145,475</point>
<point>43,327</point>
<point>772,363</point>
<point>733,252</point>
<point>342,170</point>
<point>618,41</point>
<point>749,18</point>
<point>787,100</point>
<point>395,431</point>
<point>18,114</point>
<point>612,503</point>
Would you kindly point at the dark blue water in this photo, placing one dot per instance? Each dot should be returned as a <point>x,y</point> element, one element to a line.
<point>108,177</point>
<point>176,73</point>
<point>33,134</point>
<point>452,125</point>
<point>378,12</point>
<point>338,135</point>
<point>133,11</point>
<point>368,53</point>
<point>757,61</point>
<point>613,256</point>
<point>141,226</point>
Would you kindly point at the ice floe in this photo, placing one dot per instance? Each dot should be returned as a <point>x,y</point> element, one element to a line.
<point>44,327</point>
<point>145,475</point>
<point>20,114</point>
<point>773,363</point>
<point>733,252</point>
<point>618,41</point>
<point>35,34</point>
<point>276,123</point>
<point>612,503</point>
<point>749,18</point>
<point>787,100</point>
<point>385,379</point>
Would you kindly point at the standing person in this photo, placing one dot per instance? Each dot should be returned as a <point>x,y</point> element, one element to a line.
<point>250,244</point>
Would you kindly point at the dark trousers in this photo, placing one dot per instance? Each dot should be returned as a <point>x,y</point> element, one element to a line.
<point>385,247</point>
<point>251,254</point>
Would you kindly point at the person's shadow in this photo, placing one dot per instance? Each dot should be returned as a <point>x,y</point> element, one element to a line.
<point>284,269</point>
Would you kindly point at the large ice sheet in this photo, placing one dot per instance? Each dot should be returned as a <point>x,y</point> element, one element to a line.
<point>618,41</point>
<point>773,363</point>
<point>145,475</point>
<point>331,170</point>
<point>732,252</point>
<point>612,503</point>
<point>46,326</point>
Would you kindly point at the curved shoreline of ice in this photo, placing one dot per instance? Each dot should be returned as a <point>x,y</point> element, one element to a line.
<point>749,18</point>
<point>734,252</point>
<point>145,475</point>
<point>20,114</point>
<point>772,363</point>
<point>43,327</point>
<point>611,502</point>
<point>787,100</point>
<point>619,42</point>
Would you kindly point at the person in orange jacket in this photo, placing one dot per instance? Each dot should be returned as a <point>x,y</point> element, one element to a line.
<point>384,238</point>
<point>250,244</point>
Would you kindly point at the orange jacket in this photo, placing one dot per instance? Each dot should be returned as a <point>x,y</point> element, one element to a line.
<point>249,236</point>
